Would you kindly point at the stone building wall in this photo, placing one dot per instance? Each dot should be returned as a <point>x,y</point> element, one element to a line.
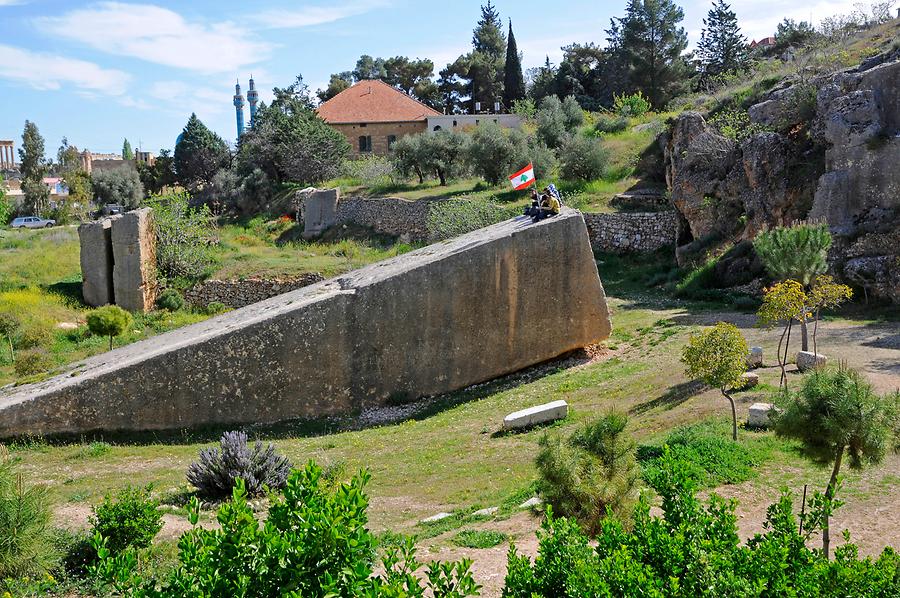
<point>632,231</point>
<point>238,293</point>
<point>379,133</point>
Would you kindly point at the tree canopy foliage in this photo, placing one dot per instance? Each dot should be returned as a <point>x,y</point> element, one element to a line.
<point>199,154</point>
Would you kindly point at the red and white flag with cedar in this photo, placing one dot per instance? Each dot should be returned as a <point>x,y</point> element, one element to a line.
<point>523,179</point>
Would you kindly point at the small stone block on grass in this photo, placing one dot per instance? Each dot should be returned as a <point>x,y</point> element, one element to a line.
<point>807,360</point>
<point>485,512</point>
<point>759,415</point>
<point>534,501</point>
<point>436,517</point>
<point>749,380</point>
<point>539,414</point>
<point>755,357</point>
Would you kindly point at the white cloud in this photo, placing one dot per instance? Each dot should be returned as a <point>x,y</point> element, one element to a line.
<point>307,16</point>
<point>50,71</point>
<point>158,35</point>
<point>11,2</point>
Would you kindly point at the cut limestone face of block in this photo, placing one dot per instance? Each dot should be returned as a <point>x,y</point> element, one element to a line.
<point>533,416</point>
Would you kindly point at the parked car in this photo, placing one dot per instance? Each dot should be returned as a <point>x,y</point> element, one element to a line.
<point>32,222</point>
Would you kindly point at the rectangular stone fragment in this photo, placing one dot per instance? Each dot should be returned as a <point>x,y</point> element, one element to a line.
<point>134,260</point>
<point>320,211</point>
<point>533,416</point>
<point>96,262</point>
<point>758,417</point>
<point>427,322</point>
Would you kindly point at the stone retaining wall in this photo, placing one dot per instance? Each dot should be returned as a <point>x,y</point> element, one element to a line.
<point>632,231</point>
<point>388,216</point>
<point>238,293</point>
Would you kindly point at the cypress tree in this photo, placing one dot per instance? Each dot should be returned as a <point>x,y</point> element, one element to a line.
<point>127,153</point>
<point>722,47</point>
<point>513,79</point>
<point>34,169</point>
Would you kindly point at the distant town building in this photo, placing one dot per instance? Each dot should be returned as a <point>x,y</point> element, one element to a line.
<point>7,155</point>
<point>453,122</point>
<point>91,162</point>
<point>766,42</point>
<point>372,115</point>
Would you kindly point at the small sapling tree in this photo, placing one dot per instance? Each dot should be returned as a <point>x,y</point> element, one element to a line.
<point>783,302</point>
<point>9,327</point>
<point>717,356</point>
<point>110,320</point>
<point>825,294</point>
<point>837,412</point>
<point>797,252</point>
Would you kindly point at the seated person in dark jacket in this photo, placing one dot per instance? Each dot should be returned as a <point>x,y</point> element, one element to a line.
<point>549,206</point>
<point>534,208</point>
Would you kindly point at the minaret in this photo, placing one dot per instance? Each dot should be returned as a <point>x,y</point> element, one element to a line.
<point>239,109</point>
<point>253,98</point>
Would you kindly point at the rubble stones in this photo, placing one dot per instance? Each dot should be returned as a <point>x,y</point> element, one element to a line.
<point>807,360</point>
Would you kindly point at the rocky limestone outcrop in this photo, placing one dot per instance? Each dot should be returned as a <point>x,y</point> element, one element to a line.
<point>844,169</point>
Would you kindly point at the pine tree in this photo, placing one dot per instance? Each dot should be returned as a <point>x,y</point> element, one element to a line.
<point>513,80</point>
<point>199,154</point>
<point>34,168</point>
<point>127,152</point>
<point>650,44</point>
<point>486,65</point>
<point>722,47</point>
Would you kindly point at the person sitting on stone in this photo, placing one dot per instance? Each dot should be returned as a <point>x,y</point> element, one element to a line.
<point>534,208</point>
<point>549,207</point>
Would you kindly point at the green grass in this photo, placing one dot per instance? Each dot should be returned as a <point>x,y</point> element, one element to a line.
<point>38,258</point>
<point>479,538</point>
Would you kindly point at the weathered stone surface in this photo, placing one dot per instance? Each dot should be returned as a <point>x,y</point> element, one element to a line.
<point>807,360</point>
<point>533,416</point>
<point>749,380</point>
<point>437,517</point>
<point>320,211</point>
<point>427,322</point>
<point>755,357</point>
<point>240,293</point>
<point>486,512</point>
<point>134,260</point>
<point>632,231</point>
<point>534,501</point>
<point>96,262</point>
<point>758,416</point>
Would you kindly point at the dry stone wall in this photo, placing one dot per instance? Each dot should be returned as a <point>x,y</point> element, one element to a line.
<point>389,216</point>
<point>427,322</point>
<point>239,293</point>
<point>632,231</point>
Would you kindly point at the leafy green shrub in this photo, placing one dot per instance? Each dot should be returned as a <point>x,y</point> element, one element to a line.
<point>35,334</point>
<point>131,519</point>
<point>10,326</point>
<point>109,320</point>
<point>735,124</point>
<point>703,455</point>
<point>33,361</point>
<point>694,550</point>
<point>608,123</point>
<point>314,543</point>
<point>583,159</point>
<point>216,307</point>
<point>170,300</point>
<point>119,186</point>
<point>216,473</point>
<point>798,252</point>
<point>471,538</point>
<point>369,170</point>
<point>590,473</point>
<point>184,237</point>
<point>633,106</point>
<point>26,546</point>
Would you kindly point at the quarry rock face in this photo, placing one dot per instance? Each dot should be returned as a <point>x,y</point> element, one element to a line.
<point>97,261</point>
<point>134,260</point>
<point>427,322</point>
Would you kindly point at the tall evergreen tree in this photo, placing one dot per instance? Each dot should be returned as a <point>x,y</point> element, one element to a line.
<point>34,168</point>
<point>650,43</point>
<point>543,81</point>
<point>127,152</point>
<point>513,79</point>
<point>722,47</point>
<point>453,86</point>
<point>486,65</point>
<point>200,153</point>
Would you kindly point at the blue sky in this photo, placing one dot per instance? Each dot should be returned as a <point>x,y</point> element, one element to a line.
<point>97,72</point>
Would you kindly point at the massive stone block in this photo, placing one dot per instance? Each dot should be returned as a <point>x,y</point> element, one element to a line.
<point>320,211</point>
<point>96,262</point>
<point>134,260</point>
<point>431,321</point>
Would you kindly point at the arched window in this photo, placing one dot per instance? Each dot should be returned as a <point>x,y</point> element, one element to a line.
<point>436,128</point>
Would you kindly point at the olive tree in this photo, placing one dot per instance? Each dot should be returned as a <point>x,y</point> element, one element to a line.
<point>110,320</point>
<point>837,413</point>
<point>718,357</point>
<point>783,303</point>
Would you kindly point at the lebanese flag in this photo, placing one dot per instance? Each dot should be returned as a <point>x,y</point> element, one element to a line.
<point>523,179</point>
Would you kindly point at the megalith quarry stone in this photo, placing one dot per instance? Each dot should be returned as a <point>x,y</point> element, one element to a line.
<point>434,320</point>
<point>533,416</point>
<point>97,261</point>
<point>749,380</point>
<point>319,211</point>
<point>755,357</point>
<point>758,416</point>
<point>807,360</point>
<point>134,260</point>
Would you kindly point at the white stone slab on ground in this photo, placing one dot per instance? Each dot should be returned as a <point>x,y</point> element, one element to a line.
<point>759,415</point>
<point>534,501</point>
<point>436,517</point>
<point>807,360</point>
<point>539,414</point>
<point>485,512</point>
